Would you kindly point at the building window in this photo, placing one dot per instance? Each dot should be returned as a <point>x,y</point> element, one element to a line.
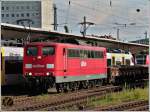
<point>28,14</point>
<point>22,15</point>
<point>17,23</point>
<point>17,7</point>
<point>7,15</point>
<point>28,7</point>
<point>22,7</point>
<point>2,8</point>
<point>2,15</point>
<point>22,23</point>
<point>17,15</point>
<point>12,15</point>
<point>7,8</point>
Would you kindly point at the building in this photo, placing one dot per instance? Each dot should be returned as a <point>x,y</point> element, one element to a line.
<point>33,13</point>
<point>141,41</point>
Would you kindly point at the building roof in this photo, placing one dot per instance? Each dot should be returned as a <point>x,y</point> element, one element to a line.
<point>21,29</point>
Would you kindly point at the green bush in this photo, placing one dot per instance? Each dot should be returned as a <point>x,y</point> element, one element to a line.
<point>123,96</point>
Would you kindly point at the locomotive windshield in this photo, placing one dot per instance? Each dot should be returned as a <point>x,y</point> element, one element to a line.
<point>48,51</point>
<point>32,51</point>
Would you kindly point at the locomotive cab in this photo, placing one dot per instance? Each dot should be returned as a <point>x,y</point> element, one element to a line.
<point>38,58</point>
<point>39,64</point>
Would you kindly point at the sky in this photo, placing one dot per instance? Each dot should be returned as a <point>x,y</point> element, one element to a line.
<point>107,16</point>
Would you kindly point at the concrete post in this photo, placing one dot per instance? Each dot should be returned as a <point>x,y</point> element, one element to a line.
<point>47,14</point>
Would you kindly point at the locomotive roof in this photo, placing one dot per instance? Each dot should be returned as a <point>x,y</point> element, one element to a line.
<point>63,44</point>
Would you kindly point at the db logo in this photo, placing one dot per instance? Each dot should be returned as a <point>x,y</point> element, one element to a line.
<point>83,64</point>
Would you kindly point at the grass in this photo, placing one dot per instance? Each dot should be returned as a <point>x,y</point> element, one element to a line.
<point>43,96</point>
<point>125,95</point>
<point>48,96</point>
<point>111,98</point>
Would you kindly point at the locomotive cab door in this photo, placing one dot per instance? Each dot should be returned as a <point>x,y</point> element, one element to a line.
<point>65,60</point>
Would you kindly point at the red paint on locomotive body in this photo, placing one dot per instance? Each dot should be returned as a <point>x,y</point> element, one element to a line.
<point>147,60</point>
<point>57,61</point>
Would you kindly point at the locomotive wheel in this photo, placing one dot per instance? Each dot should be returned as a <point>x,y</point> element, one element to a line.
<point>81,85</point>
<point>44,88</point>
<point>100,82</point>
<point>45,91</point>
<point>65,87</point>
<point>34,88</point>
<point>94,83</point>
<point>76,86</point>
<point>72,86</point>
<point>85,85</point>
<point>91,84</point>
<point>59,88</point>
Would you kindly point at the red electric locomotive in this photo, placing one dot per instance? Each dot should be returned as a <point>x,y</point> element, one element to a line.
<point>66,66</point>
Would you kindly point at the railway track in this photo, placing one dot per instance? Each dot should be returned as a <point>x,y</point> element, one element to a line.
<point>24,98</point>
<point>18,99</point>
<point>140,108</point>
<point>140,105</point>
<point>62,101</point>
<point>65,100</point>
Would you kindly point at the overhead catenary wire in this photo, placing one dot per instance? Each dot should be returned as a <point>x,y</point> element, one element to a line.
<point>74,16</point>
<point>75,20</point>
<point>91,10</point>
<point>104,12</point>
<point>99,27</point>
<point>67,12</point>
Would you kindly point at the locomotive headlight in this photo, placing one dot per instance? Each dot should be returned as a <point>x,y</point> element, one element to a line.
<point>47,73</point>
<point>28,65</point>
<point>30,73</point>
<point>39,57</point>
